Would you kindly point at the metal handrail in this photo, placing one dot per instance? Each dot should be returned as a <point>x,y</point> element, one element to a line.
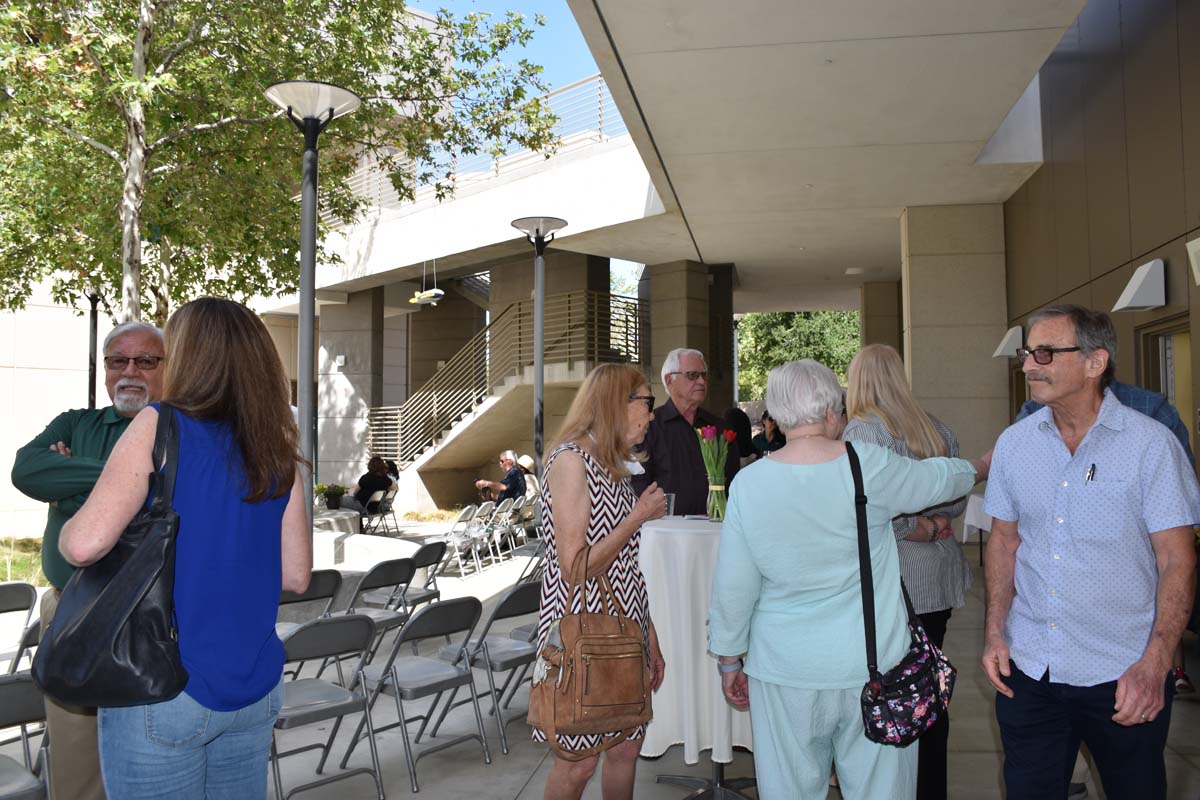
<point>586,115</point>
<point>580,326</point>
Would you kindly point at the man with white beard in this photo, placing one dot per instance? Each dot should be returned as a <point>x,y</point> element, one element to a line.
<point>60,467</point>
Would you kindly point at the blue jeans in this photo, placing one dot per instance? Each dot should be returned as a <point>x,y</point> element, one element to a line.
<point>182,750</point>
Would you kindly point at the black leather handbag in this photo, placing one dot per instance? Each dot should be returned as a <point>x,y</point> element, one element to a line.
<point>899,706</point>
<point>113,640</point>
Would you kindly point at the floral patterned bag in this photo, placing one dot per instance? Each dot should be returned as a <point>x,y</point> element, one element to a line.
<point>900,706</point>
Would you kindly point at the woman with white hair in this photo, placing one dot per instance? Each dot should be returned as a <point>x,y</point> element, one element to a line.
<point>786,619</point>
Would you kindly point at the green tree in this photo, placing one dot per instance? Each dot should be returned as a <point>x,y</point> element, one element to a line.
<point>768,339</point>
<point>139,154</point>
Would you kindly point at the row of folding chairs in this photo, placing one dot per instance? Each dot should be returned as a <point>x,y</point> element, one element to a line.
<point>352,637</point>
<point>488,529</point>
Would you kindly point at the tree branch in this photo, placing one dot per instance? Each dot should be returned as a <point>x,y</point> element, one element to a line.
<point>162,170</point>
<point>208,126</point>
<point>74,134</point>
<point>174,52</point>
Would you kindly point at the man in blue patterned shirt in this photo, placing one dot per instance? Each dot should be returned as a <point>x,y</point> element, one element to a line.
<point>1090,570</point>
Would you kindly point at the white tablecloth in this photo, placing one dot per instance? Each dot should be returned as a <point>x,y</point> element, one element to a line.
<point>678,557</point>
<point>975,520</point>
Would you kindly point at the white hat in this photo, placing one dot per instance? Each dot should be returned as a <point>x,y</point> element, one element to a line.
<point>526,461</point>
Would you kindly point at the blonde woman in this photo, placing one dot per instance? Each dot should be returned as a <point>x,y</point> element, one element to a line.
<point>882,411</point>
<point>589,501</point>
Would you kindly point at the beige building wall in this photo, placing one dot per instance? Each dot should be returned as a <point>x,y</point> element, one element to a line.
<point>881,314</point>
<point>43,372</point>
<point>678,294</point>
<point>512,280</point>
<point>395,359</point>
<point>350,382</point>
<point>1121,182</point>
<point>436,333</point>
<point>954,316</point>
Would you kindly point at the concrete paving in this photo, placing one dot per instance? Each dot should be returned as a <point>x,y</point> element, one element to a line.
<point>460,772</point>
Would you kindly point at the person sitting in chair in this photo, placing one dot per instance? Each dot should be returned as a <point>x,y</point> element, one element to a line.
<point>375,480</point>
<point>513,485</point>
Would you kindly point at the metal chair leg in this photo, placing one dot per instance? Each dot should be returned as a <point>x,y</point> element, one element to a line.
<point>275,768</point>
<point>408,754</point>
<point>487,757</point>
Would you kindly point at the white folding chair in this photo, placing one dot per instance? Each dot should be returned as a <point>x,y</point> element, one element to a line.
<point>490,536</point>
<point>458,538</point>
<point>374,520</point>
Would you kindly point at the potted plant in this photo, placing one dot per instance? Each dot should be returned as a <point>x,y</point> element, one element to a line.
<point>332,494</point>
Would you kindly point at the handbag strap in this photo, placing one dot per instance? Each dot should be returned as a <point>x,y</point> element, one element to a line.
<point>864,560</point>
<point>608,598</point>
<point>864,565</point>
<point>165,459</point>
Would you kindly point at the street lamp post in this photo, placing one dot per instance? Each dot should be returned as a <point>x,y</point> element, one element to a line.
<point>540,232</point>
<point>311,106</point>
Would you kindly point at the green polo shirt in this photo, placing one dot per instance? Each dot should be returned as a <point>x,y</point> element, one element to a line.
<point>66,481</point>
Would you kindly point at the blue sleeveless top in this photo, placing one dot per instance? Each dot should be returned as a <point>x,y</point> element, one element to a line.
<point>228,572</point>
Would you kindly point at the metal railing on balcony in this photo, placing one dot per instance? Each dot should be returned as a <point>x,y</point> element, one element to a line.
<point>587,115</point>
<point>580,326</point>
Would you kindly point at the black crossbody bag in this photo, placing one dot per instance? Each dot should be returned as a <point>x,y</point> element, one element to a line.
<point>900,706</point>
<point>113,641</point>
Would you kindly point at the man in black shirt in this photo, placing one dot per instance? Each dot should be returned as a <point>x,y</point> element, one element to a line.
<point>672,446</point>
<point>513,484</point>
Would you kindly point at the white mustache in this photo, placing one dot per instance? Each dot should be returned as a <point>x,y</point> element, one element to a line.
<point>132,383</point>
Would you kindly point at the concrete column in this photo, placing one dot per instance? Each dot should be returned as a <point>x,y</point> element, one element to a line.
<point>881,314</point>
<point>955,312</point>
<point>351,333</point>
<point>512,280</point>
<point>395,360</point>
<point>719,351</point>
<point>679,315</point>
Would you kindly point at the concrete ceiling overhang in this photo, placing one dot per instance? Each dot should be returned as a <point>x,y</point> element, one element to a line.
<point>789,134</point>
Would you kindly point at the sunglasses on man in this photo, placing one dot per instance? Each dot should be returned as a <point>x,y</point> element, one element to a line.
<point>692,374</point>
<point>1043,355</point>
<point>119,363</point>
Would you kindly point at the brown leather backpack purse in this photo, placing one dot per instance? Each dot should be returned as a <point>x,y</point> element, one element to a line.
<point>594,676</point>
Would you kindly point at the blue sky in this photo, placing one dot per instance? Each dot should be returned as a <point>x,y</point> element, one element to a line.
<point>558,46</point>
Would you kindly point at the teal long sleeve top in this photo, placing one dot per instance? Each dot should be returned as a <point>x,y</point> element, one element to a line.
<point>786,590</point>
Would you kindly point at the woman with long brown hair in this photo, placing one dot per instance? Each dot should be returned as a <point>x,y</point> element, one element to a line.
<point>589,501</point>
<point>242,538</point>
<point>882,411</point>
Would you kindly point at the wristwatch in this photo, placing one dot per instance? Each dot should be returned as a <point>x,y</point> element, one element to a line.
<point>726,668</point>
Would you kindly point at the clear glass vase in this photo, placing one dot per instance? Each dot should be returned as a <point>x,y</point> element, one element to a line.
<point>716,499</point>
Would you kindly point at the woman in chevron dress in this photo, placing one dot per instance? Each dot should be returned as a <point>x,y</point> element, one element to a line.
<point>589,501</point>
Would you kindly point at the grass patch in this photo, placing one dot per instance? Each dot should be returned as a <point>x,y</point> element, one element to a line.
<point>441,515</point>
<point>21,560</point>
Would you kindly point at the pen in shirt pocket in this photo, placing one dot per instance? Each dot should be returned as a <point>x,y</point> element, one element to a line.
<point>1091,473</point>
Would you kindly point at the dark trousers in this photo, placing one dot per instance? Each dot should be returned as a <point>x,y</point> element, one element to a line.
<point>931,757</point>
<point>1042,725</point>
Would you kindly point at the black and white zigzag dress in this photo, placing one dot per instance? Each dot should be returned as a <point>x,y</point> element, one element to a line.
<point>610,501</point>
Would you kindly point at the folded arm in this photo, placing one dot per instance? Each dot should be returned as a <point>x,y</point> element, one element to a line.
<point>44,473</point>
